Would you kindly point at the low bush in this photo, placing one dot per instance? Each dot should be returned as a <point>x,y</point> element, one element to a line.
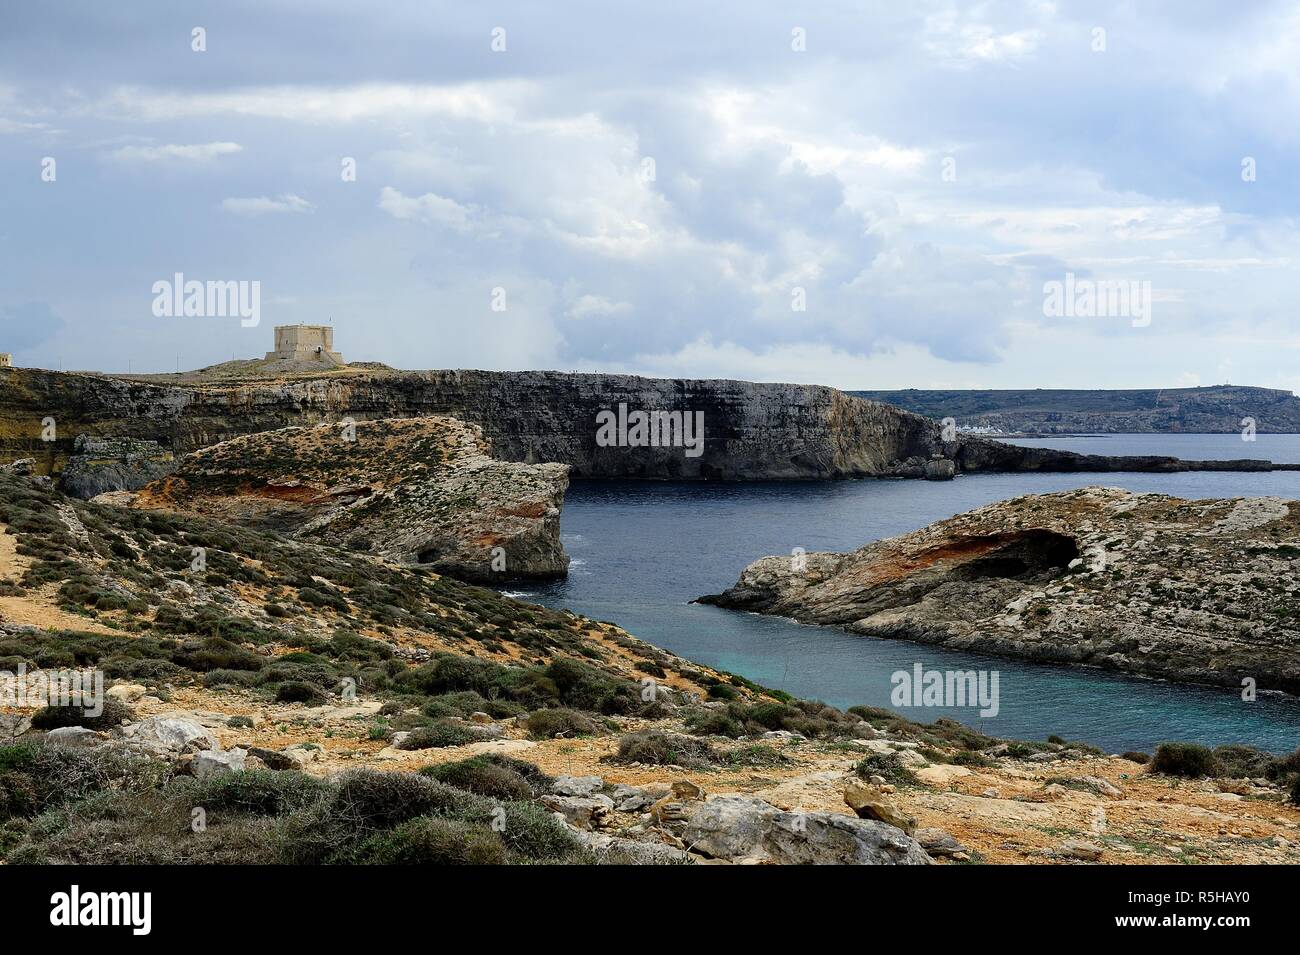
<point>548,724</point>
<point>440,734</point>
<point>114,713</point>
<point>1189,760</point>
<point>660,749</point>
<point>296,691</point>
<point>481,775</point>
<point>432,841</point>
<point>888,766</point>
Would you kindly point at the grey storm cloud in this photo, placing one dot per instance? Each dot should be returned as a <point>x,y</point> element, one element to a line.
<point>657,186</point>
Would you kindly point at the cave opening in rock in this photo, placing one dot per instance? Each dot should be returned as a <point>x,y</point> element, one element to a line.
<point>1024,554</point>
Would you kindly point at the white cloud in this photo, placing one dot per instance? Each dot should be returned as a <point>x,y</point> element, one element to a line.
<point>488,102</point>
<point>197,152</point>
<point>596,306</point>
<point>428,208</point>
<point>263,205</point>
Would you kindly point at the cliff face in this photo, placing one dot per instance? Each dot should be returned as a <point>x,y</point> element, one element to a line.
<point>421,490</point>
<point>1199,591</point>
<point>750,431</point>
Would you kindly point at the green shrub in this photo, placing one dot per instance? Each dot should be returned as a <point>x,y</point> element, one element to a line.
<point>440,734</point>
<point>1190,760</point>
<point>889,766</point>
<point>723,691</point>
<point>433,841</point>
<point>481,775</point>
<point>216,653</point>
<point>261,792</point>
<point>295,691</point>
<point>655,748</point>
<point>547,724</point>
<point>1241,762</point>
<point>114,713</point>
<point>1135,757</point>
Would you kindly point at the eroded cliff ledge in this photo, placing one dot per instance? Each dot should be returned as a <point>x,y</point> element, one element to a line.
<point>1199,591</point>
<point>421,490</point>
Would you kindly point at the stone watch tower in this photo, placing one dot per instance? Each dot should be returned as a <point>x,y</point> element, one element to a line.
<point>305,343</point>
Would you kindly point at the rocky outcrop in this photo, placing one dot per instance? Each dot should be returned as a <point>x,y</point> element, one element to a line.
<point>99,465</point>
<point>422,490</point>
<point>745,829</point>
<point>1200,591</point>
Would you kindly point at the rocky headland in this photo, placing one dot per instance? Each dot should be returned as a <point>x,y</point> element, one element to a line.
<point>1200,591</point>
<point>411,490</point>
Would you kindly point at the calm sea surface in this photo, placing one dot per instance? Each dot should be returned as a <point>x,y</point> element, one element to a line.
<point>642,551</point>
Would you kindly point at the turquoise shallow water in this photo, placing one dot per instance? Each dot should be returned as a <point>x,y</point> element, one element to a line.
<point>642,551</point>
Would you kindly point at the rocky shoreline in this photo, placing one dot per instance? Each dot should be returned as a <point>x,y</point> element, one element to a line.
<point>1147,584</point>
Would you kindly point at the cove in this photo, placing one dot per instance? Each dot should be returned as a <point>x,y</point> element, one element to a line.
<point>643,550</point>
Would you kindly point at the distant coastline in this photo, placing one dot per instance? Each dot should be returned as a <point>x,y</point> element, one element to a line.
<point>1060,412</point>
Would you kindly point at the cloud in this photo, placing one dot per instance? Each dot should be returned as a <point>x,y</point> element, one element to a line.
<point>487,101</point>
<point>653,199</point>
<point>198,152</point>
<point>265,205</point>
<point>429,208</point>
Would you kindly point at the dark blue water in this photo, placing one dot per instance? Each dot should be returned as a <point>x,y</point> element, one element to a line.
<point>642,551</point>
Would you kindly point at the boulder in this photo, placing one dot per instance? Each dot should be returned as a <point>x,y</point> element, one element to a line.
<point>126,692</point>
<point>938,842</point>
<point>584,812</point>
<point>217,762</point>
<point>272,759</point>
<point>870,803</point>
<point>745,829</point>
<point>576,785</point>
<point>940,469</point>
<point>1078,849</point>
<point>73,736</point>
<point>632,851</point>
<point>1101,787</point>
<point>171,733</point>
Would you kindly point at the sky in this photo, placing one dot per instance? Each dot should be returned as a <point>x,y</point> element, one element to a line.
<point>859,194</point>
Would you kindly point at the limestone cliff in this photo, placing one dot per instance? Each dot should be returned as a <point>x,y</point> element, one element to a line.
<point>1200,591</point>
<point>751,431</point>
<point>419,490</point>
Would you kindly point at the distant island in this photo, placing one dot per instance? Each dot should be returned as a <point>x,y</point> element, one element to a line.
<point>1216,409</point>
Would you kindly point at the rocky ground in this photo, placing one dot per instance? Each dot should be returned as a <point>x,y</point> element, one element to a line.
<point>414,490</point>
<point>288,702</point>
<point>1203,591</point>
